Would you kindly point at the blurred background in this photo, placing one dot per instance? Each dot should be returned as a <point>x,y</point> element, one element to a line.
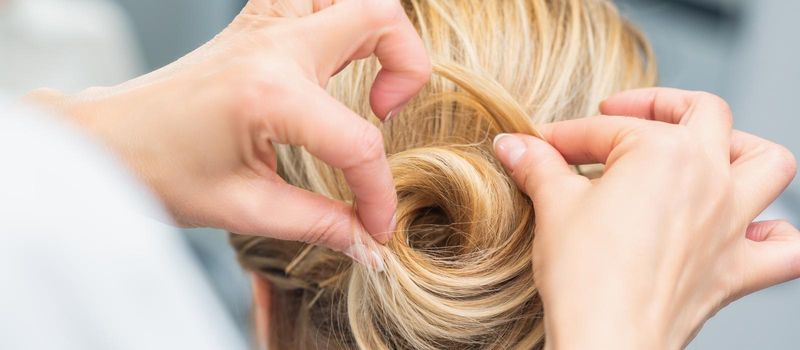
<point>745,51</point>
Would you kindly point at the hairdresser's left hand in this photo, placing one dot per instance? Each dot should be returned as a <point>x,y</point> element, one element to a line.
<point>200,131</point>
<point>641,257</point>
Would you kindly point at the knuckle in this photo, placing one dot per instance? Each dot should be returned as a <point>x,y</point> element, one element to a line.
<point>712,99</point>
<point>783,225</point>
<point>681,153</point>
<point>325,227</point>
<point>422,72</point>
<point>676,144</point>
<point>380,13</point>
<point>717,102</point>
<point>369,146</point>
<point>251,85</point>
<point>783,160</point>
<point>385,198</point>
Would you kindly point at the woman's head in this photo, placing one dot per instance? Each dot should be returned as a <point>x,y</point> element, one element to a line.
<point>458,270</point>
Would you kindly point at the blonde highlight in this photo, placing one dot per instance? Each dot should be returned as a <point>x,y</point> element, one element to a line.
<point>458,270</point>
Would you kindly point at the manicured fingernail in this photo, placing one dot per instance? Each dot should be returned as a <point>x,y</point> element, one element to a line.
<point>509,148</point>
<point>365,256</point>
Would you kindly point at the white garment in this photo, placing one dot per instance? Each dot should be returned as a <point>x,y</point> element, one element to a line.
<point>65,45</point>
<point>85,262</point>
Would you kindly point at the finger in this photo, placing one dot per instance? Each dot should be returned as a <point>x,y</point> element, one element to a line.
<point>536,167</point>
<point>591,140</point>
<point>708,115</point>
<point>304,216</point>
<point>773,255</point>
<point>761,170</point>
<point>355,29</point>
<point>330,131</point>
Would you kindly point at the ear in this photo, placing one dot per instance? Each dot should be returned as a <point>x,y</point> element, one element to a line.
<point>262,302</point>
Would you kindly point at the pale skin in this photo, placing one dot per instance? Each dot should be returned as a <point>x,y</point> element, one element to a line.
<point>618,270</point>
<point>669,224</point>
<point>200,130</point>
<point>641,257</point>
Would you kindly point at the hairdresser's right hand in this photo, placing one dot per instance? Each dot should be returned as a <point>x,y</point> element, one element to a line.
<point>200,131</point>
<point>641,257</point>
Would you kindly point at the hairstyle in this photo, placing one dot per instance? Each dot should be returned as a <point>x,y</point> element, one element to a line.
<point>458,270</point>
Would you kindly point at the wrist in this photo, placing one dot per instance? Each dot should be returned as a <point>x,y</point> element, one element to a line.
<point>579,328</point>
<point>111,119</point>
<point>98,114</point>
<point>78,108</point>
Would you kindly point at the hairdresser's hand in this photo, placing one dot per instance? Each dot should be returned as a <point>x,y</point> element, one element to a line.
<point>200,130</point>
<point>641,257</point>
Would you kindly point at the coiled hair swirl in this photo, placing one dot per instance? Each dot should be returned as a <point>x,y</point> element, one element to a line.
<point>458,270</point>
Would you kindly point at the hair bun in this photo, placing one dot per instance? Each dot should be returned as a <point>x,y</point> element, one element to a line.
<point>458,271</point>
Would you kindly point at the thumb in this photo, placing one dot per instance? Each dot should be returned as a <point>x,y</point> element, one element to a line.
<point>536,167</point>
<point>774,254</point>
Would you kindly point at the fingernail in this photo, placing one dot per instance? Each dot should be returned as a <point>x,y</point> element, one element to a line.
<point>394,112</point>
<point>377,259</point>
<point>509,148</point>
<point>392,228</point>
<point>365,256</point>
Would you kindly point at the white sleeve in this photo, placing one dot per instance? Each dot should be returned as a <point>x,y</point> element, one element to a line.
<point>85,260</point>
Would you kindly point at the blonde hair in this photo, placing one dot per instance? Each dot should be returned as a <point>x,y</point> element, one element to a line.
<point>458,270</point>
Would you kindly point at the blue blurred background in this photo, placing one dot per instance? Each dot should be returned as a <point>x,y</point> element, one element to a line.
<point>745,51</point>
